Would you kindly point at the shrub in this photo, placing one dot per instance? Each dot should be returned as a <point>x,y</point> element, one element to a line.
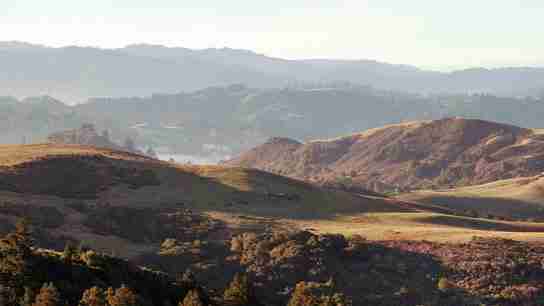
<point>239,292</point>
<point>444,284</point>
<point>48,296</point>
<point>192,298</point>
<point>123,296</point>
<point>91,258</point>
<point>94,296</point>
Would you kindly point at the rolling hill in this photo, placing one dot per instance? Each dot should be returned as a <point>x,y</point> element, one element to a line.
<point>413,155</point>
<point>130,203</point>
<point>104,196</point>
<point>217,220</point>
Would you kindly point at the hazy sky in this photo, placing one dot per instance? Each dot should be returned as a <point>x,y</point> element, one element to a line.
<point>438,34</point>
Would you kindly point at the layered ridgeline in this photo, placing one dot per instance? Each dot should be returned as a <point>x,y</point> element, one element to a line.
<point>414,155</point>
<point>230,120</point>
<point>77,73</point>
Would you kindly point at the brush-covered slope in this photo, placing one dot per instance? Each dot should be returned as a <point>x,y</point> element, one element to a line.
<point>420,154</point>
<point>515,198</point>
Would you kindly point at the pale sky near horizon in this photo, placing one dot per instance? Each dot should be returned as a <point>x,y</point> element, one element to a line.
<point>438,34</point>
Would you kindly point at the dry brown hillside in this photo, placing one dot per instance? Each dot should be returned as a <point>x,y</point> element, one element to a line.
<point>130,204</point>
<point>119,200</point>
<point>80,172</point>
<point>424,154</point>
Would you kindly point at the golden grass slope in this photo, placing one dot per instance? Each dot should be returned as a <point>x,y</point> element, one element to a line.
<point>422,226</point>
<point>114,175</point>
<point>518,198</point>
<point>242,198</point>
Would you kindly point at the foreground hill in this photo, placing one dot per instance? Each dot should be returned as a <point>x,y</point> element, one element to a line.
<point>80,172</point>
<point>278,269</point>
<point>217,221</point>
<point>130,202</point>
<point>413,155</point>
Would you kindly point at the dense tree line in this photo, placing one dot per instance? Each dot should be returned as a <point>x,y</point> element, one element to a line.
<point>35,277</point>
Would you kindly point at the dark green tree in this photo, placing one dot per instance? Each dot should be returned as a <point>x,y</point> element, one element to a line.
<point>28,297</point>
<point>303,297</point>
<point>123,296</point>
<point>240,292</point>
<point>193,298</point>
<point>16,256</point>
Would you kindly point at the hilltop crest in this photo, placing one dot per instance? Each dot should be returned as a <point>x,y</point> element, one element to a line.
<point>421,154</point>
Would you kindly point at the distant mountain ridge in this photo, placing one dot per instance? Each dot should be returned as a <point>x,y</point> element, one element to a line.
<point>75,74</point>
<point>414,155</point>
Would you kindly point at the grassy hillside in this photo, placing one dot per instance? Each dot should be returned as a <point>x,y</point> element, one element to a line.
<point>131,203</point>
<point>125,179</point>
<point>512,198</point>
<point>217,221</point>
<point>424,226</point>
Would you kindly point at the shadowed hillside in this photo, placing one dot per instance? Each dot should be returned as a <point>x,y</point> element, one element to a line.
<point>71,171</point>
